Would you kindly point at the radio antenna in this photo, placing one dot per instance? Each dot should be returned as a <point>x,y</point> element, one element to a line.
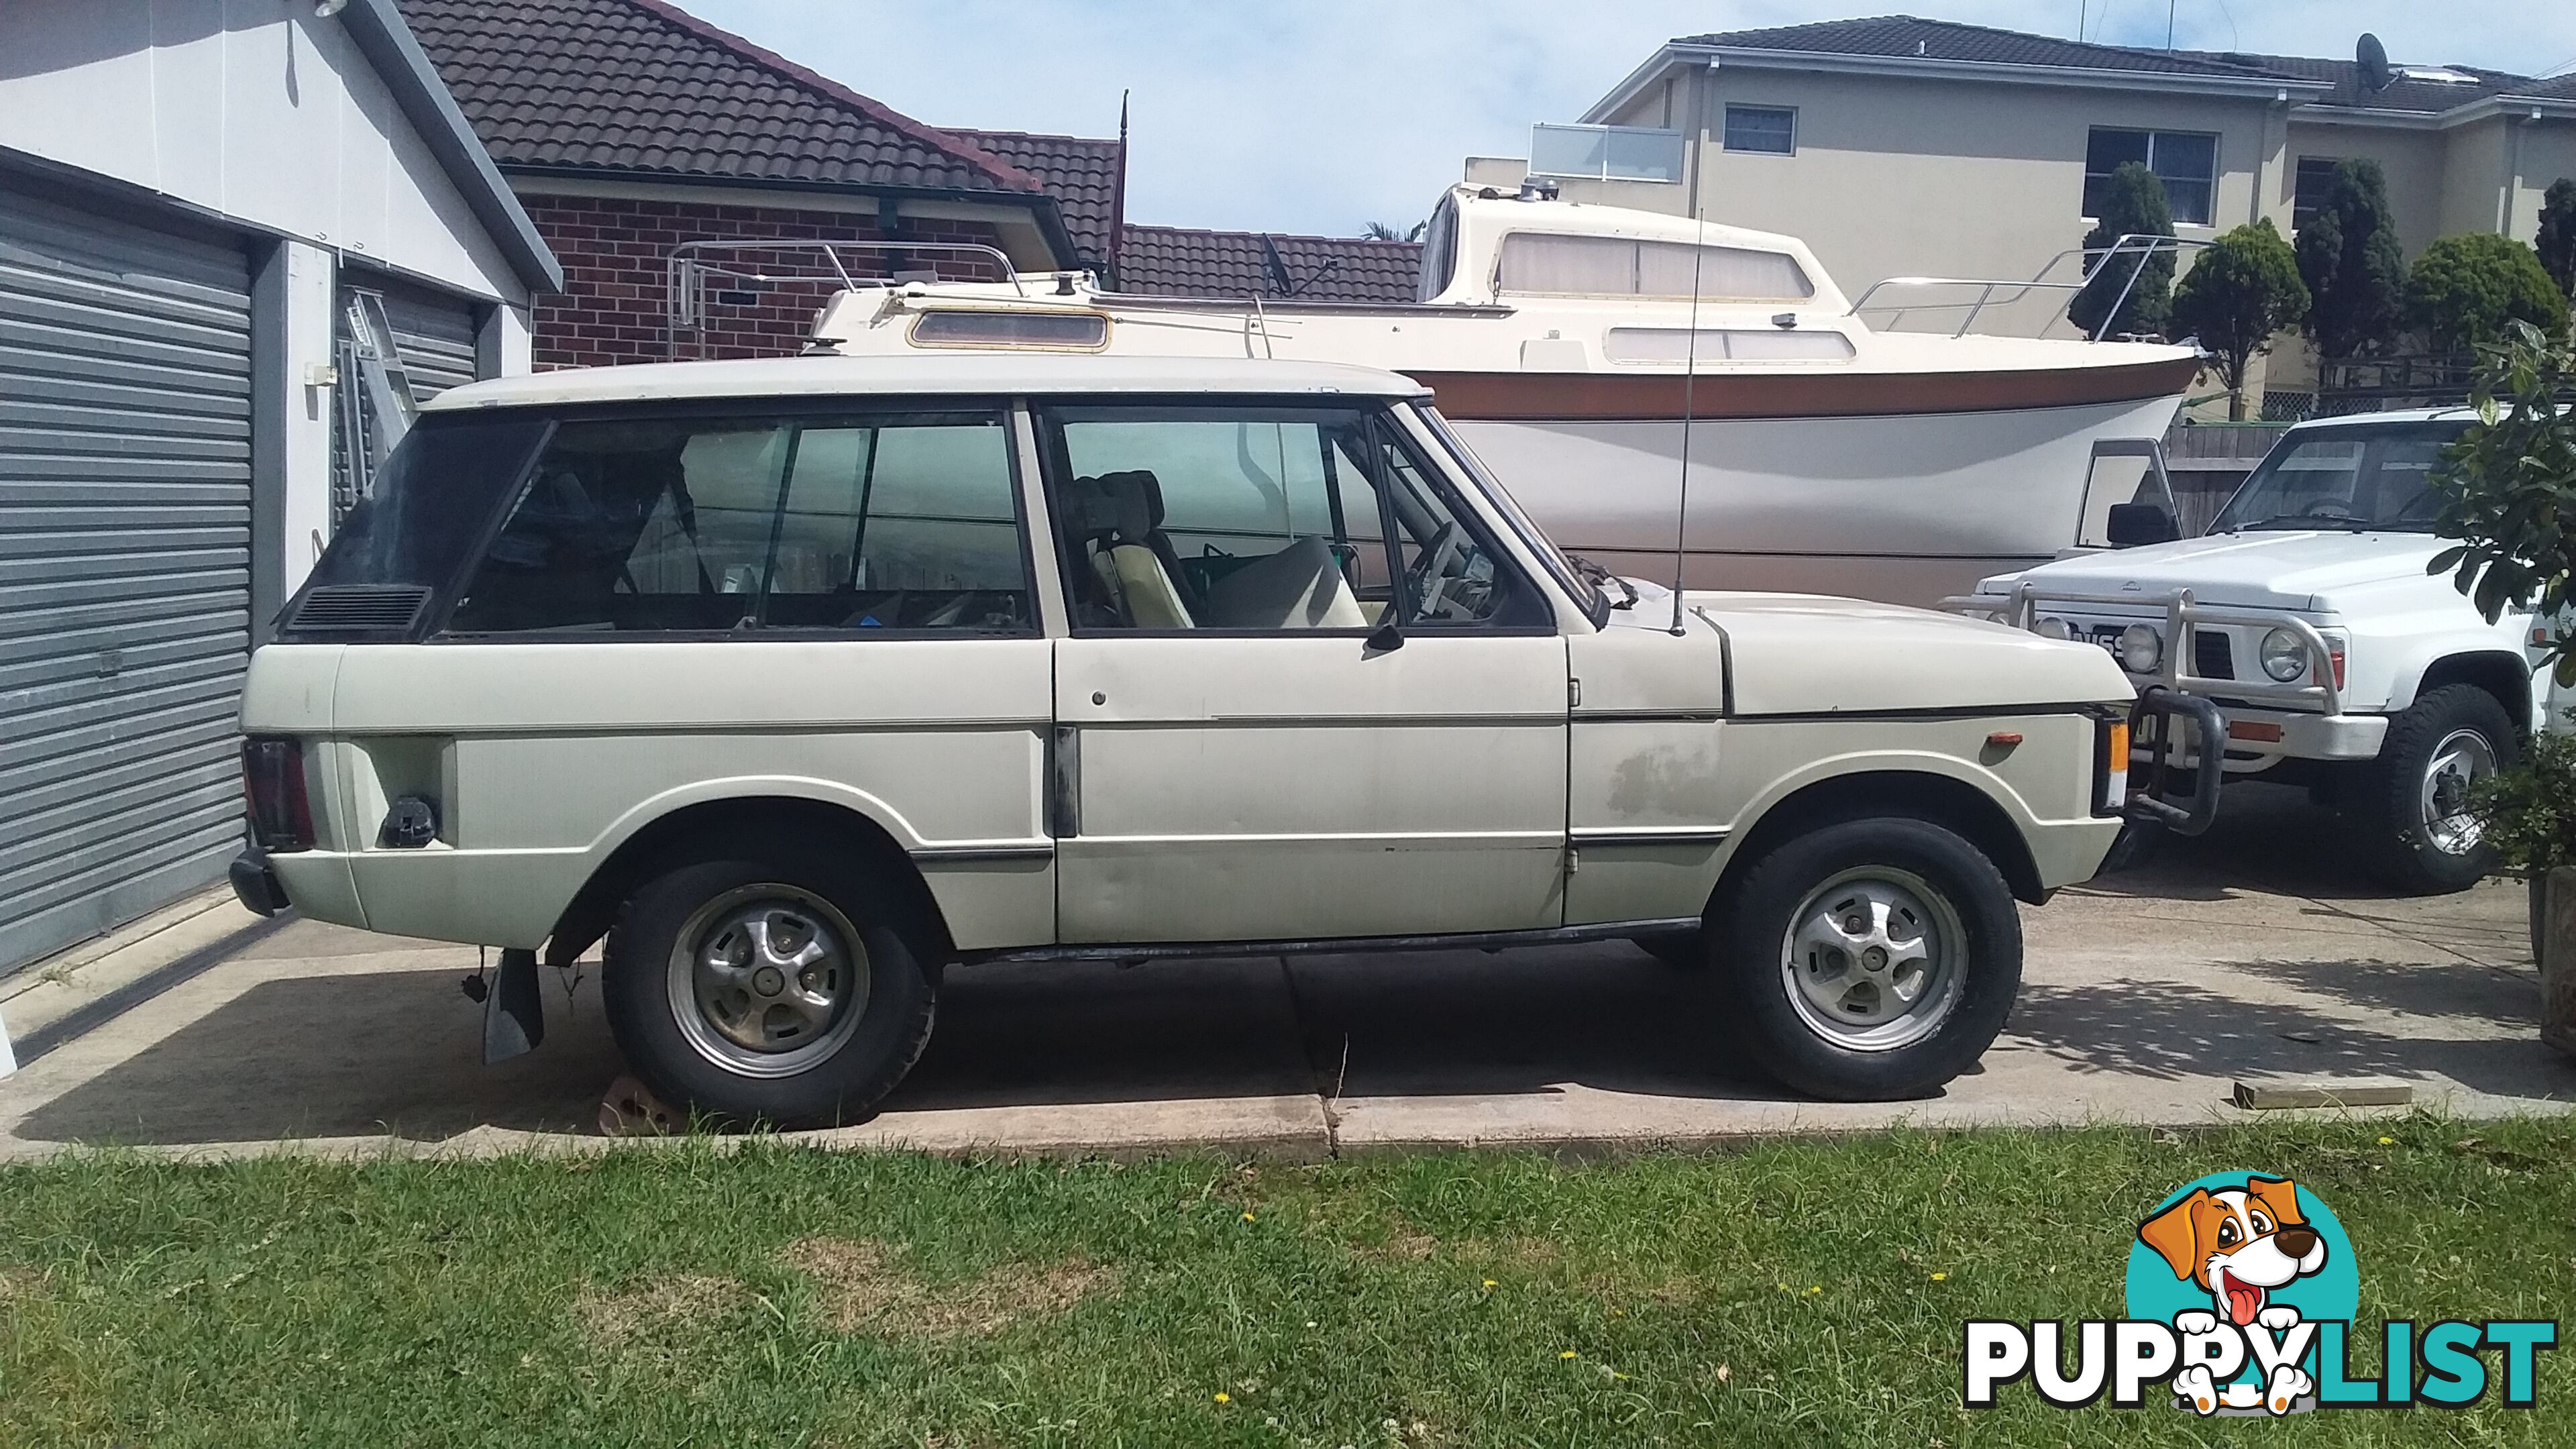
<point>1690,379</point>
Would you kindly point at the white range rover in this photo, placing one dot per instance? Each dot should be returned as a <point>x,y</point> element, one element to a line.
<point>2338,663</point>
<point>799,681</point>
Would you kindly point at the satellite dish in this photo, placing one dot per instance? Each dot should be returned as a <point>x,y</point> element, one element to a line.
<point>2372,58</point>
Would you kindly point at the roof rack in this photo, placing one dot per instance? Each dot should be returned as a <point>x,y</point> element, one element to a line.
<point>687,274</point>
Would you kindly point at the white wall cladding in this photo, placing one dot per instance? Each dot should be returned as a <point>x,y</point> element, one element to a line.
<point>250,108</point>
<point>125,484</point>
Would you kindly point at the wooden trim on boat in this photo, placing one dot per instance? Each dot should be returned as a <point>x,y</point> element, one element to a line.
<point>1657,397</point>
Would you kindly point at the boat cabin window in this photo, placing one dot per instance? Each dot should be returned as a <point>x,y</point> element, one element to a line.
<point>1549,264</point>
<point>1724,344</point>
<point>1439,251</point>
<point>1036,331</point>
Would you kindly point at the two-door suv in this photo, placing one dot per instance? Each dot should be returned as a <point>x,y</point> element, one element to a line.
<point>799,681</point>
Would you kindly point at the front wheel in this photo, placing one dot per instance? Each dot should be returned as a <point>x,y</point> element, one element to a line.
<point>755,992</point>
<point>1872,960</point>
<point>2411,803</point>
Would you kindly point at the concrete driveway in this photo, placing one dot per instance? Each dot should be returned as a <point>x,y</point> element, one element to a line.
<point>2253,954</point>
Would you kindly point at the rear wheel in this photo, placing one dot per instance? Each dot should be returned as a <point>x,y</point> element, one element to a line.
<point>757,992</point>
<point>1873,959</point>
<point>2411,803</point>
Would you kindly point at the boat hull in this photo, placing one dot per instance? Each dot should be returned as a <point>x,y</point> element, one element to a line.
<point>1903,507</point>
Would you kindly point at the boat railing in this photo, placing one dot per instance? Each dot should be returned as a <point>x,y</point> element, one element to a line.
<point>688,270</point>
<point>2005,291</point>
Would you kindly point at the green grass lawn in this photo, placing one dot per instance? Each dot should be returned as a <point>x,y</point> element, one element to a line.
<point>1800,1294</point>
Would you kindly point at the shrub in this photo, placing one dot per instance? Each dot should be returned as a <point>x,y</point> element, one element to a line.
<point>2354,268</point>
<point>2465,291</point>
<point>2557,242</point>
<point>2240,291</point>
<point>2133,204</point>
<point>2508,487</point>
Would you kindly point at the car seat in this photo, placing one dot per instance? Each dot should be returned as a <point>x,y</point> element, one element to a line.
<point>1119,516</point>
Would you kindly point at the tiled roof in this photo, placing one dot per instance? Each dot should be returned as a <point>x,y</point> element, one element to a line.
<point>1905,37</point>
<point>1174,261</point>
<point>1081,173</point>
<point>2401,94</point>
<point>640,86</point>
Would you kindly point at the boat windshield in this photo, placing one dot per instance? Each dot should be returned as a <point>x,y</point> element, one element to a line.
<point>2348,478</point>
<point>1593,602</point>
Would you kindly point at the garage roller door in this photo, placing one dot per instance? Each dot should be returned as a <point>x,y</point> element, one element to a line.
<point>125,421</point>
<point>435,337</point>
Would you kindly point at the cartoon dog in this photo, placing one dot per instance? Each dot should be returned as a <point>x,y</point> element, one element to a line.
<point>2239,1244</point>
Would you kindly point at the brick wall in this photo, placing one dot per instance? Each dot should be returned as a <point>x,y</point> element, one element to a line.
<point>615,306</point>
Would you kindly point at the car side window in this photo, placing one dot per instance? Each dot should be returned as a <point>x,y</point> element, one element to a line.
<point>1265,519</point>
<point>662,525</point>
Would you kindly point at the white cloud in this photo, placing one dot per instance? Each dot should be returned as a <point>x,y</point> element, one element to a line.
<point>1321,115</point>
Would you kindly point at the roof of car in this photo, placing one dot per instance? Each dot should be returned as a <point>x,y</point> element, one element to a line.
<point>2403,415</point>
<point>964,373</point>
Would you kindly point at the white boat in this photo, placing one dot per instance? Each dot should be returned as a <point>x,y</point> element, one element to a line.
<point>1825,455</point>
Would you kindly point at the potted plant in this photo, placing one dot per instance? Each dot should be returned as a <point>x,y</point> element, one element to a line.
<point>2508,490</point>
<point>2529,814</point>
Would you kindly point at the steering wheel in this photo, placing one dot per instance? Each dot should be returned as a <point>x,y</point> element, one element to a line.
<point>1446,544</point>
<point>2317,509</point>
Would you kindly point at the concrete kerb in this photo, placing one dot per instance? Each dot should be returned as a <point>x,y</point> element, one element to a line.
<point>489,1143</point>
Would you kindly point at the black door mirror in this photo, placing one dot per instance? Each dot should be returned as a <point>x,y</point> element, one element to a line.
<point>2132,524</point>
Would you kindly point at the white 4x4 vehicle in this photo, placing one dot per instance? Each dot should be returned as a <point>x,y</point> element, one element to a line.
<point>2338,663</point>
<point>799,681</point>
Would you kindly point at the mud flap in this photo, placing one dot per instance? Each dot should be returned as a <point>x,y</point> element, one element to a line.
<point>514,1012</point>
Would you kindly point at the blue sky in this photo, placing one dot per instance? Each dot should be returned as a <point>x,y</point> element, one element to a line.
<point>1320,115</point>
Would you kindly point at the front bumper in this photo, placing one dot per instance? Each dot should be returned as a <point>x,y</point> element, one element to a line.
<point>2258,739</point>
<point>255,883</point>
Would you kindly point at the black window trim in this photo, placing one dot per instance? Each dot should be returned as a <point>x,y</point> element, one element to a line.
<point>1726,128</point>
<point>2216,170</point>
<point>1055,468</point>
<point>997,407</point>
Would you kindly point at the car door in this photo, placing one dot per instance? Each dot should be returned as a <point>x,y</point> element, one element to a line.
<point>1303,695</point>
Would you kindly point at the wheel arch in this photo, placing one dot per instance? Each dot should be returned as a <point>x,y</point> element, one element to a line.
<point>2501,673</point>
<point>753,825</point>
<point>1945,800</point>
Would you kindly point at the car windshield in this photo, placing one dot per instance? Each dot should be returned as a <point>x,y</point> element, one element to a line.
<point>1576,580</point>
<point>2347,478</point>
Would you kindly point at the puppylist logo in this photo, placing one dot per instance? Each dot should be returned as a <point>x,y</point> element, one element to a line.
<point>2242,1298</point>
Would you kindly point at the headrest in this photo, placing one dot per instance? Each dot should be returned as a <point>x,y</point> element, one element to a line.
<point>1125,506</point>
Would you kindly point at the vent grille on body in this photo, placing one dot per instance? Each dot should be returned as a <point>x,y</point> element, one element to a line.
<point>360,609</point>
<point>2211,658</point>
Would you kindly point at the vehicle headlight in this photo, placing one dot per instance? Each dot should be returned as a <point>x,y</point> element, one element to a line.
<point>2285,655</point>
<point>2140,650</point>
<point>2050,628</point>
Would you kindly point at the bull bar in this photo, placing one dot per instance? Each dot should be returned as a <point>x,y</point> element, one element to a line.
<point>2182,613</point>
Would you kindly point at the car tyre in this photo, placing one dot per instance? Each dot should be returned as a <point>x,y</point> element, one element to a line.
<point>2404,802</point>
<point>756,992</point>
<point>1846,1030</point>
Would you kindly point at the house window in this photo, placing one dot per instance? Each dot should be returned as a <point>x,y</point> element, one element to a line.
<point>1770,129</point>
<point>2316,177</point>
<point>2185,161</point>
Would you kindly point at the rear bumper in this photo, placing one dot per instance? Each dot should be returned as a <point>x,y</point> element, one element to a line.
<point>255,884</point>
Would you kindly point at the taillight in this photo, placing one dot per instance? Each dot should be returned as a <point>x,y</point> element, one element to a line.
<point>281,818</point>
